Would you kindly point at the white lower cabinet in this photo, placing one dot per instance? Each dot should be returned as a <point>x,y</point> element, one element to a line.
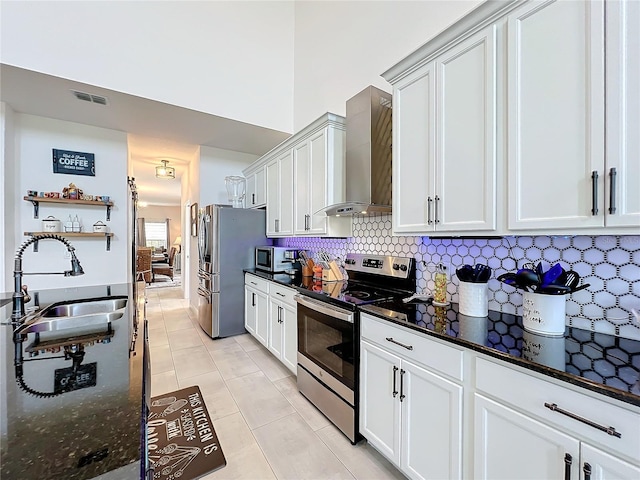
<point>517,435</point>
<point>271,316</point>
<point>410,414</point>
<point>509,445</point>
<point>283,325</point>
<point>256,307</point>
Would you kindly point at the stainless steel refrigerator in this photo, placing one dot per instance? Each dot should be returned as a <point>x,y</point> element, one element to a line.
<point>227,238</point>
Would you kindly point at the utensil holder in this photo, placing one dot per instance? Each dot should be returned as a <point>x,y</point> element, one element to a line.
<point>473,299</point>
<point>544,313</point>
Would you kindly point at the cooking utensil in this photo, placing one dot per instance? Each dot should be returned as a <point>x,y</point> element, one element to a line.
<point>509,278</point>
<point>465,273</point>
<point>482,273</point>
<point>552,275</point>
<point>528,279</point>
<point>554,289</point>
<point>572,279</point>
<point>581,287</point>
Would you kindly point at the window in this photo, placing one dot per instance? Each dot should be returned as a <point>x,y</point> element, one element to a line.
<point>156,233</point>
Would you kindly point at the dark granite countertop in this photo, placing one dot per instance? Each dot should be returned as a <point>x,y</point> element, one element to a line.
<point>77,434</point>
<point>602,363</point>
<point>599,362</point>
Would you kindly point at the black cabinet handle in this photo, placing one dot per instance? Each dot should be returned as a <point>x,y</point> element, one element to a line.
<point>253,199</point>
<point>395,392</point>
<point>608,430</point>
<point>612,190</point>
<point>390,339</point>
<point>279,314</point>
<point>568,460</point>
<point>402,395</point>
<point>253,299</point>
<point>436,209</point>
<point>586,468</point>
<point>429,201</point>
<point>594,192</point>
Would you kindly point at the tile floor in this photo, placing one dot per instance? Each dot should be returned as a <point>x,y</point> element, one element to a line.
<point>266,428</point>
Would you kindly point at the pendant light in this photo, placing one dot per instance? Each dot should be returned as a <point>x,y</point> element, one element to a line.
<point>162,171</point>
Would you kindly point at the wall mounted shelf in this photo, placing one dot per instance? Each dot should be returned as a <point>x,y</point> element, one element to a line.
<point>79,234</point>
<point>37,200</point>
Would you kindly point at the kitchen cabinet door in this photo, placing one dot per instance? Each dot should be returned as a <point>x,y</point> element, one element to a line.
<point>275,328</point>
<point>280,196</point>
<point>379,405</point>
<point>622,175</point>
<point>555,82</point>
<point>250,310</point>
<point>273,197</point>
<point>262,318</point>
<point>319,184</point>
<point>430,404</point>
<point>256,189</point>
<point>511,446</point>
<point>465,195</point>
<point>290,337</point>
<point>602,466</point>
<point>413,150</point>
<point>303,181</point>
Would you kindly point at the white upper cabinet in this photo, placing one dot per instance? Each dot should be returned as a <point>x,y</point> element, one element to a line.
<point>280,196</point>
<point>555,78</point>
<point>256,196</point>
<point>622,175</point>
<point>305,174</point>
<point>444,138</point>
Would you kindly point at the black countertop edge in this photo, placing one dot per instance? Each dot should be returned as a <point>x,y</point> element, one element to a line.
<point>521,362</point>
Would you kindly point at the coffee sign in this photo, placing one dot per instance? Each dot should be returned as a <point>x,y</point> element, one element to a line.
<point>74,163</point>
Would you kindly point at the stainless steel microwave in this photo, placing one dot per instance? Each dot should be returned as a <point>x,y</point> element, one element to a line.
<point>275,259</point>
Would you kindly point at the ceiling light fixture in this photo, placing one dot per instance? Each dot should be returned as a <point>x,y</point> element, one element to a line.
<point>162,171</point>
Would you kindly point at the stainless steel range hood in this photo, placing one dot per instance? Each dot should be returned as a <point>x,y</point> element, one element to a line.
<point>368,155</point>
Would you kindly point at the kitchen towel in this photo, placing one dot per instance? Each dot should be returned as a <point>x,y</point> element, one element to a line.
<point>182,441</point>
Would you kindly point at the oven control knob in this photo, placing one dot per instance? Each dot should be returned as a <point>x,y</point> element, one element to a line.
<point>403,268</point>
<point>396,266</point>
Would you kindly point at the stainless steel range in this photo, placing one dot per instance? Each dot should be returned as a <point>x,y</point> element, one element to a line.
<point>329,332</point>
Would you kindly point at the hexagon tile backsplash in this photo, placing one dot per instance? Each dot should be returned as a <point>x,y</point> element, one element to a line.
<point>610,264</point>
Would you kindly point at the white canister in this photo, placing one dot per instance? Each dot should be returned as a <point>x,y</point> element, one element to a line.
<point>544,313</point>
<point>473,299</point>
<point>51,225</point>
<point>100,227</point>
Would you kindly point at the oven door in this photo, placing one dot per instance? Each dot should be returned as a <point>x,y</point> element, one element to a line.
<point>327,339</point>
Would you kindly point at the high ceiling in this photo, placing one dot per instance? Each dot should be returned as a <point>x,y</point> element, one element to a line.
<point>157,130</point>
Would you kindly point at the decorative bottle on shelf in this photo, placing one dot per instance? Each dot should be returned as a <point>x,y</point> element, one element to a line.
<point>76,224</point>
<point>68,225</point>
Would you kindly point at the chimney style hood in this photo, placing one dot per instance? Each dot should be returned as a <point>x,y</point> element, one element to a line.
<point>368,155</point>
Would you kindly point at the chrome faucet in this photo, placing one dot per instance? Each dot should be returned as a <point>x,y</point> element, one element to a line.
<point>19,292</point>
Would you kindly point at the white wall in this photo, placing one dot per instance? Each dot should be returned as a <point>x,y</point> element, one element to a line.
<point>215,164</point>
<point>7,195</point>
<point>228,58</point>
<point>35,139</point>
<point>343,46</point>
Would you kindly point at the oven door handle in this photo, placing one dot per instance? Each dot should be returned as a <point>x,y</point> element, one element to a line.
<point>338,313</point>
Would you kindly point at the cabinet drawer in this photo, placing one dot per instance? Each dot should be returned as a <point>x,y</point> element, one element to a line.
<point>432,354</point>
<point>281,293</point>
<point>258,283</point>
<point>529,394</point>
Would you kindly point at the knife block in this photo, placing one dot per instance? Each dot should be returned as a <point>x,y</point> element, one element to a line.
<point>328,275</point>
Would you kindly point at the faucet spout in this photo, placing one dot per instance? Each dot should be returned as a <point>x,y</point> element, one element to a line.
<point>18,299</point>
